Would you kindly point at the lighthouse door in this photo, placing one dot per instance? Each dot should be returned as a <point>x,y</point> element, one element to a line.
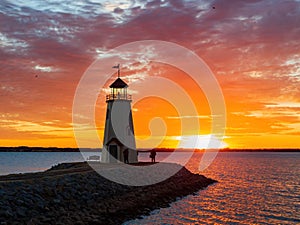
<point>113,151</point>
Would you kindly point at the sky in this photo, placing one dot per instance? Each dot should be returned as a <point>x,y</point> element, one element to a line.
<point>251,46</point>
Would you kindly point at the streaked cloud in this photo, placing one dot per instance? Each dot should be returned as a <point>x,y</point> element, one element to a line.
<point>190,117</point>
<point>47,69</point>
<point>284,105</point>
<point>11,44</point>
<point>38,128</point>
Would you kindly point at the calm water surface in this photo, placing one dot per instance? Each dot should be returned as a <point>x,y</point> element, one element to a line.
<point>253,188</point>
<point>21,162</point>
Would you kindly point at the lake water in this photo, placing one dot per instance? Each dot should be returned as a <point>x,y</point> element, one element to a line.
<point>21,162</point>
<point>253,188</point>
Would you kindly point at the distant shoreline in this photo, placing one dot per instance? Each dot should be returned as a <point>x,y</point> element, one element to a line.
<point>56,149</point>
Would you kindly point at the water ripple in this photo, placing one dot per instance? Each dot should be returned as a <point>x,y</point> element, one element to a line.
<point>253,188</point>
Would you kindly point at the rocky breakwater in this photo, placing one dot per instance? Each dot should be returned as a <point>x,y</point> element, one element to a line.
<point>73,193</point>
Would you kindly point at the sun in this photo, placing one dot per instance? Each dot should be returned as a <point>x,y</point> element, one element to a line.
<point>208,141</point>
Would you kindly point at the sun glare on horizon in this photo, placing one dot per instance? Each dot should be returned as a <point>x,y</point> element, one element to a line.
<point>208,141</point>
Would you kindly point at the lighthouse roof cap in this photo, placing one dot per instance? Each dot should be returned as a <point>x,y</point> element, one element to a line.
<point>118,83</point>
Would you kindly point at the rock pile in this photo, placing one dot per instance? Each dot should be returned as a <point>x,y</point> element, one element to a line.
<point>75,194</point>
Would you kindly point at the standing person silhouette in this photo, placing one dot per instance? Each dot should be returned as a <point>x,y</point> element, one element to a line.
<point>125,154</point>
<point>152,155</point>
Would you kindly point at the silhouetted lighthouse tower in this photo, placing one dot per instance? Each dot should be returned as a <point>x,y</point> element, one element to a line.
<point>119,137</point>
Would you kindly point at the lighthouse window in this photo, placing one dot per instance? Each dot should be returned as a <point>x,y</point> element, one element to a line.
<point>107,114</point>
<point>130,124</point>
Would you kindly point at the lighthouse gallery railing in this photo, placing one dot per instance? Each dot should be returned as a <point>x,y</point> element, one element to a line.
<point>118,97</point>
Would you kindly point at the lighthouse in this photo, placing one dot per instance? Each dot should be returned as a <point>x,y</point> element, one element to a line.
<point>119,141</point>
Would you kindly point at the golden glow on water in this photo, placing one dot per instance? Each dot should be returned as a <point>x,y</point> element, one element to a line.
<point>252,188</point>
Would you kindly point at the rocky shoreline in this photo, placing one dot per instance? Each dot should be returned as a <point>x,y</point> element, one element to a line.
<point>73,193</point>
